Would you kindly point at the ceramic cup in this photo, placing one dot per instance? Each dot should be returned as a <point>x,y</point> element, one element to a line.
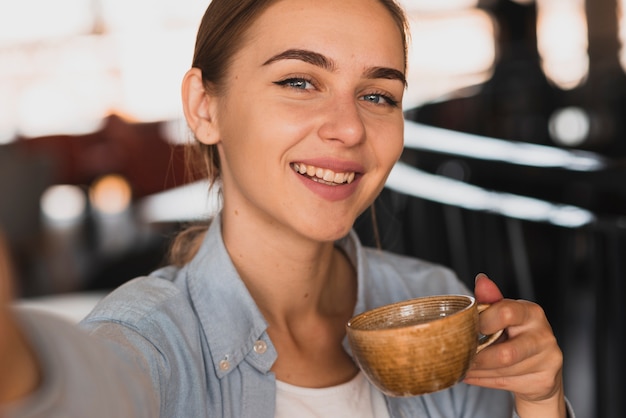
<point>419,345</point>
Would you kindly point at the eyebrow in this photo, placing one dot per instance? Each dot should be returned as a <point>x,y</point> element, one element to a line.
<point>386,73</point>
<point>310,57</point>
<point>319,60</point>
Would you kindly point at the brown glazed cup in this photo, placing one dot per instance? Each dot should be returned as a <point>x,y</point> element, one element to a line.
<point>418,346</point>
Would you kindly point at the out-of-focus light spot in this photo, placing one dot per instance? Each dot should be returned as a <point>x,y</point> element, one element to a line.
<point>562,41</point>
<point>463,54</point>
<point>570,126</point>
<point>63,204</point>
<point>110,194</point>
<point>465,43</point>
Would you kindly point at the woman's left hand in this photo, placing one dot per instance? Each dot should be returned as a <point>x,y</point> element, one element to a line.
<point>527,362</point>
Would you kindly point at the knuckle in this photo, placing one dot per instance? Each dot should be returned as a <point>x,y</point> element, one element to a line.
<point>536,310</point>
<point>507,314</point>
<point>557,358</point>
<point>507,356</point>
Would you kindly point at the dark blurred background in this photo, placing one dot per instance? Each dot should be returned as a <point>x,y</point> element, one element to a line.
<point>517,106</point>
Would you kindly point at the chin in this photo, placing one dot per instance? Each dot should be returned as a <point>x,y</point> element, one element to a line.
<point>324,233</point>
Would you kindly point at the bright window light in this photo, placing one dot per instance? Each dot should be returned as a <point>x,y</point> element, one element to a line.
<point>448,52</point>
<point>562,41</point>
<point>152,66</point>
<point>27,21</point>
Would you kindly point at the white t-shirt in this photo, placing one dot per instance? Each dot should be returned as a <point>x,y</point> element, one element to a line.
<point>356,398</point>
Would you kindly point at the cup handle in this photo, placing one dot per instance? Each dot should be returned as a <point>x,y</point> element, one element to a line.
<point>485,341</point>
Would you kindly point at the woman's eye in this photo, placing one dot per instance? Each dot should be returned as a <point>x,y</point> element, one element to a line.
<point>380,99</point>
<point>296,83</point>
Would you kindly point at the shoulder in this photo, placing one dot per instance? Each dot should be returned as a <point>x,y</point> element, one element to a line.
<point>144,301</point>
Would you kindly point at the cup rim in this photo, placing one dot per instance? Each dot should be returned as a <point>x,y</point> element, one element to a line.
<point>350,325</point>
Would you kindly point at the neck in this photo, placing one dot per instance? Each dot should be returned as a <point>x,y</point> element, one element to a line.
<point>289,276</point>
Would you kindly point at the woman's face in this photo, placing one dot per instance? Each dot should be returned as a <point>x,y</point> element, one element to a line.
<point>310,122</point>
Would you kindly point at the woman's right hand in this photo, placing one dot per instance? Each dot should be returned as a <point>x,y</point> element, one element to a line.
<point>20,369</point>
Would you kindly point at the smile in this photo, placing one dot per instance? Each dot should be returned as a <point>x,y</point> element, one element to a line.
<point>323,175</point>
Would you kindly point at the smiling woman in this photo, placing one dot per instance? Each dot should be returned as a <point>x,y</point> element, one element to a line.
<point>295,107</point>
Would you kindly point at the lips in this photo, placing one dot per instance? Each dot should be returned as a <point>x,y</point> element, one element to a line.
<point>324,175</point>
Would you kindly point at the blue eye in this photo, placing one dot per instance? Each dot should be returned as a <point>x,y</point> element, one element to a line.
<point>296,83</point>
<point>380,99</point>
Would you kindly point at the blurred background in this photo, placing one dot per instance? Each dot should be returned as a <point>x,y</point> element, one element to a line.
<point>513,163</point>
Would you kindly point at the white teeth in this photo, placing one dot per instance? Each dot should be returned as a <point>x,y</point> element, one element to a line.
<point>325,175</point>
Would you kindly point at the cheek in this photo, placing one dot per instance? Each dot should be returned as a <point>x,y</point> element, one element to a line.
<point>276,128</point>
<point>389,143</point>
<point>257,136</point>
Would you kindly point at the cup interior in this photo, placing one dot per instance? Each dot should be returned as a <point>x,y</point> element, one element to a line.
<point>413,312</point>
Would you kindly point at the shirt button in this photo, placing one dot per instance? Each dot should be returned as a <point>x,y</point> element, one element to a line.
<point>224,365</point>
<point>260,347</point>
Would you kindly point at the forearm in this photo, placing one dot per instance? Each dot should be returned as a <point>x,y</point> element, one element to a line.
<point>80,375</point>
<point>21,373</point>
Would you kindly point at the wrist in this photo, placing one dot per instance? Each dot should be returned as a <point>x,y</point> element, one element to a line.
<point>554,406</point>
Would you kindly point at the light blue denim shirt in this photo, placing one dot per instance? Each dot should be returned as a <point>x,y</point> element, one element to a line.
<point>192,343</point>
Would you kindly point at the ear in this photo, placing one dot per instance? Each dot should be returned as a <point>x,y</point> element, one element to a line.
<point>199,107</point>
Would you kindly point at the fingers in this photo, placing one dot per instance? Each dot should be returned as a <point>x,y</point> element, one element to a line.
<point>485,290</point>
<point>513,315</point>
<point>528,334</point>
<point>534,377</point>
<point>529,362</point>
<point>512,355</point>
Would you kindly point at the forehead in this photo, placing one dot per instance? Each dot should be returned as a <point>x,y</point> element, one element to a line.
<point>343,29</point>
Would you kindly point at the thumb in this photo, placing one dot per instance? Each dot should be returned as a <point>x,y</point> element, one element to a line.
<point>485,290</point>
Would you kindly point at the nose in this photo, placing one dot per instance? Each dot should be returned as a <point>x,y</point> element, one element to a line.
<point>343,121</point>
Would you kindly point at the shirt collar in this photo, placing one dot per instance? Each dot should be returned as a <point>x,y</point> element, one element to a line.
<point>227,312</point>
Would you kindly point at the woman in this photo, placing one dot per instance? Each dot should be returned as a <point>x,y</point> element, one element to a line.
<point>296,107</point>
